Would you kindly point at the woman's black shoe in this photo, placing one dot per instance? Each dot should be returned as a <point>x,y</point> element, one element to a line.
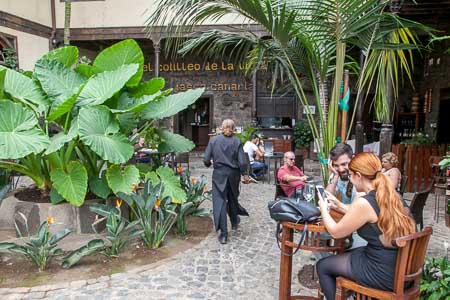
<point>223,238</point>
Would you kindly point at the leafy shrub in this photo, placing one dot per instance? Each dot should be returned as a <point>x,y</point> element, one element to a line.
<point>302,135</point>
<point>435,283</point>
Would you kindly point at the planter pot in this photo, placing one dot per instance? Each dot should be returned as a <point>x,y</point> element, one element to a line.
<point>79,219</point>
<point>302,151</point>
<point>447,219</point>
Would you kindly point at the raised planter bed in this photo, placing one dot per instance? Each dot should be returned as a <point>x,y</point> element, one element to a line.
<point>79,219</point>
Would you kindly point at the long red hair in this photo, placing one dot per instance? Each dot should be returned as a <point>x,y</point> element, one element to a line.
<point>393,220</point>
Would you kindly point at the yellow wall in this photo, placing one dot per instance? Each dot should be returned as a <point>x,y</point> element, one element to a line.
<point>38,11</point>
<point>30,47</point>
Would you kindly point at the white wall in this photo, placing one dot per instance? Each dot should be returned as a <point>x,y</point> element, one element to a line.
<point>112,13</point>
<point>30,47</point>
<point>38,11</point>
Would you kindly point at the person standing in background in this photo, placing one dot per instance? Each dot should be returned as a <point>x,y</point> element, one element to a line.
<point>227,154</point>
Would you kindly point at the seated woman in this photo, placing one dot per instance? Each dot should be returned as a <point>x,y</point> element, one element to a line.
<point>141,157</point>
<point>379,218</point>
<point>389,162</point>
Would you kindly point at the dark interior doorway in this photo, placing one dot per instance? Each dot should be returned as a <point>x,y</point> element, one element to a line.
<point>194,122</point>
<point>443,125</point>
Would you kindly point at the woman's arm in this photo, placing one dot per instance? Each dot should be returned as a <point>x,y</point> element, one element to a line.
<point>359,213</point>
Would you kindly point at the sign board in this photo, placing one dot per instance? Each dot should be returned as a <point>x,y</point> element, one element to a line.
<point>312,108</point>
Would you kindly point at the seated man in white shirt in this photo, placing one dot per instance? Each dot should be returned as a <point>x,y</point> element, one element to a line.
<point>254,152</point>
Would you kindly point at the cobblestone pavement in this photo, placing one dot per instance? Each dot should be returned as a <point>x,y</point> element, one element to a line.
<point>245,268</point>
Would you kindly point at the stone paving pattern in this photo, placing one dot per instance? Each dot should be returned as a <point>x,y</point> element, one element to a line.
<point>245,268</point>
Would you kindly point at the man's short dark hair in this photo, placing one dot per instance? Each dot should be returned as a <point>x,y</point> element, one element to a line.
<point>340,149</point>
<point>254,136</point>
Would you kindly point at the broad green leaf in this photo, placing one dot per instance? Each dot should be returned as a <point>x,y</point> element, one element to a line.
<point>59,236</point>
<point>104,85</point>
<point>122,180</point>
<point>59,140</point>
<point>171,105</point>
<point>127,122</point>
<point>3,71</point>
<point>100,131</point>
<point>61,108</point>
<point>122,53</point>
<point>99,186</point>
<point>23,88</point>
<point>19,131</point>
<point>149,87</point>
<point>136,105</point>
<point>172,142</point>
<point>58,81</point>
<point>71,184</point>
<point>66,55</point>
<point>172,186</point>
<point>103,210</point>
<point>85,70</point>
<point>74,257</point>
<point>55,198</point>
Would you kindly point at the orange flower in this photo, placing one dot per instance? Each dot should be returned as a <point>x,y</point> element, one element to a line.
<point>119,202</point>
<point>50,220</point>
<point>193,180</point>
<point>180,169</point>
<point>205,188</point>
<point>158,202</point>
<point>134,186</point>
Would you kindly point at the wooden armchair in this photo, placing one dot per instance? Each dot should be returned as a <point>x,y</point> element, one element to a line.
<point>179,159</point>
<point>410,260</point>
<point>403,183</point>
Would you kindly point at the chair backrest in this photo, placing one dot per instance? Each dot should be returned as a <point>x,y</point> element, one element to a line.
<point>182,158</point>
<point>410,259</point>
<point>247,161</point>
<point>417,205</point>
<point>403,182</point>
<point>278,190</point>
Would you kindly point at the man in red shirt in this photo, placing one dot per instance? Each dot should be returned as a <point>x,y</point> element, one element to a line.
<point>290,176</point>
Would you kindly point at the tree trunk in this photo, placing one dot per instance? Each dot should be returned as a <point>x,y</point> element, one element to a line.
<point>67,22</point>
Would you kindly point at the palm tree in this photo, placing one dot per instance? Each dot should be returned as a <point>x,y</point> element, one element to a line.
<point>309,37</point>
<point>67,15</point>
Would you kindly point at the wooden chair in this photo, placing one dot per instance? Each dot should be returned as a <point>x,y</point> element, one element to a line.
<point>403,183</point>
<point>417,204</point>
<point>410,260</point>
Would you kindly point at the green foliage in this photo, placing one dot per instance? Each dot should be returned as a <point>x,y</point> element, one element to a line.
<point>172,187</point>
<point>302,135</point>
<point>118,230</point>
<point>420,139</point>
<point>153,215</point>
<point>435,283</point>
<point>41,248</point>
<point>246,134</point>
<point>75,256</point>
<point>10,57</point>
<point>196,192</point>
<point>5,178</point>
<point>94,108</point>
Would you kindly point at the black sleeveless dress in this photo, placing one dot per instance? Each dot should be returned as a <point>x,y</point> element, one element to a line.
<point>374,264</point>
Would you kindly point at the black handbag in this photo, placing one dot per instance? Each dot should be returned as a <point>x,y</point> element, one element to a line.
<point>291,210</point>
<point>288,209</point>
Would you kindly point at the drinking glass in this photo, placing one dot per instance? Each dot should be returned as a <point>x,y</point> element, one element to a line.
<point>308,192</point>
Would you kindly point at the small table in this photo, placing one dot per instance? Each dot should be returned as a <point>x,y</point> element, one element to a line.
<point>277,157</point>
<point>312,242</point>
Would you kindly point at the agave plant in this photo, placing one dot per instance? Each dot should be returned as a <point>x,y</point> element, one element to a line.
<point>65,123</point>
<point>308,37</point>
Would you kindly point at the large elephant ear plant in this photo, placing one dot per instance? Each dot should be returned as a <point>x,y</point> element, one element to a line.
<point>66,123</point>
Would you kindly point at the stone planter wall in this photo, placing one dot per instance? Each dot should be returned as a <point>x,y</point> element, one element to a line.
<point>79,219</point>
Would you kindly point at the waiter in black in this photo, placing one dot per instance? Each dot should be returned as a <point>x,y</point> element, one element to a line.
<point>229,163</point>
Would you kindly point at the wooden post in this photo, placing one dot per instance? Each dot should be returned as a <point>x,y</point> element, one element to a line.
<point>359,130</point>
<point>285,264</point>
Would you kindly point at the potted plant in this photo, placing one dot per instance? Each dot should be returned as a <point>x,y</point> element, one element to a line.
<point>66,125</point>
<point>303,137</point>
